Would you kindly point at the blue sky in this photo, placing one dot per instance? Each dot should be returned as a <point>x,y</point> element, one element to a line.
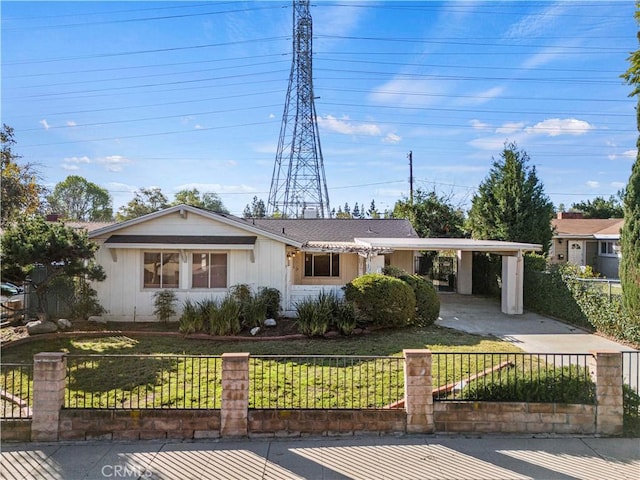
<point>190,94</point>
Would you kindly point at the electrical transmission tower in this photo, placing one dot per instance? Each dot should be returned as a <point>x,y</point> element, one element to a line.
<point>298,184</point>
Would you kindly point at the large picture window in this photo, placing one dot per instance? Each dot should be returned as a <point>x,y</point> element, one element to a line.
<point>321,265</point>
<point>209,270</point>
<point>161,270</point>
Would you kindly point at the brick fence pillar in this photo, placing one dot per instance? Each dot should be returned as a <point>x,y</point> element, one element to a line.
<point>49,379</point>
<point>235,395</point>
<point>418,391</point>
<point>606,372</point>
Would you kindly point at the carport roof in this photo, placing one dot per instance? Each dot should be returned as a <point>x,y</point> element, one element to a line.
<point>464,244</point>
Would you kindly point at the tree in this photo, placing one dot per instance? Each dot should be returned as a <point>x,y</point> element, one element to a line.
<point>77,199</point>
<point>356,211</point>
<point>21,191</point>
<point>601,208</point>
<point>53,248</point>
<point>256,210</point>
<point>511,204</point>
<point>630,235</point>
<point>146,200</point>
<point>431,215</point>
<point>373,211</point>
<point>207,201</point>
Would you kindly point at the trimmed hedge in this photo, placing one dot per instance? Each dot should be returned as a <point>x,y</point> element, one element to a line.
<point>384,301</point>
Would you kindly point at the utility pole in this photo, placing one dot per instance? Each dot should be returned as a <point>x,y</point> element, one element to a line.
<point>410,156</point>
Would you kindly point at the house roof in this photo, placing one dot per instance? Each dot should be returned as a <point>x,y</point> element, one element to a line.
<point>337,230</point>
<point>587,227</point>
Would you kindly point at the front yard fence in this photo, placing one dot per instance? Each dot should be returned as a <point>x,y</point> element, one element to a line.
<point>236,394</point>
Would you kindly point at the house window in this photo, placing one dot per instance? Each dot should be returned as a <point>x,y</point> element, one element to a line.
<point>209,270</point>
<point>608,249</point>
<point>161,269</point>
<point>321,265</point>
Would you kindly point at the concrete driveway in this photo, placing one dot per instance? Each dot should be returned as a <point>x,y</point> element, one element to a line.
<point>531,332</point>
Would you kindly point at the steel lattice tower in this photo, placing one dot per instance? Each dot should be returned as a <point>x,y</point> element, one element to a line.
<point>298,180</point>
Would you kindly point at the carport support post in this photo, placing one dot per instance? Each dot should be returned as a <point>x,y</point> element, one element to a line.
<point>464,284</point>
<point>512,284</point>
<point>49,379</point>
<point>234,413</point>
<point>418,391</point>
<point>606,372</point>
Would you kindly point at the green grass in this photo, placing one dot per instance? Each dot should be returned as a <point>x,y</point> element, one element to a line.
<point>184,383</point>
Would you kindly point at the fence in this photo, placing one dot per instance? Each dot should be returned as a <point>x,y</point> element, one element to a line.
<point>16,380</point>
<point>519,377</point>
<point>178,396</point>
<point>321,382</point>
<point>143,382</point>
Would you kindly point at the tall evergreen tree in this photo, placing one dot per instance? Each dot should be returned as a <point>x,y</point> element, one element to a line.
<point>511,204</point>
<point>630,235</point>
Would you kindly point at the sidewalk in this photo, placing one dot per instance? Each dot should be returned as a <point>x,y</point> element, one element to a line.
<point>407,457</point>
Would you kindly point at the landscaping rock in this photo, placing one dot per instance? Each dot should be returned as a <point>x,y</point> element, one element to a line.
<point>255,330</point>
<point>270,322</point>
<point>96,319</point>
<point>41,326</point>
<point>64,324</point>
<point>332,334</point>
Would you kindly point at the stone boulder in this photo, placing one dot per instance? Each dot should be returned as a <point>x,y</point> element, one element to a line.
<point>270,322</point>
<point>41,326</point>
<point>64,324</point>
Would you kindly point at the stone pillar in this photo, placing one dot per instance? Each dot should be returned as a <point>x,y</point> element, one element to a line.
<point>606,372</point>
<point>418,391</point>
<point>235,395</point>
<point>465,270</point>
<point>49,380</point>
<point>512,284</point>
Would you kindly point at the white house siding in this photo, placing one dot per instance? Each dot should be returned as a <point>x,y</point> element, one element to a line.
<point>124,297</point>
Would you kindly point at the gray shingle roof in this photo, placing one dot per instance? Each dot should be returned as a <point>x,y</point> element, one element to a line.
<point>336,230</point>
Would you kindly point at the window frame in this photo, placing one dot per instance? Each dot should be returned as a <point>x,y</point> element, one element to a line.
<point>611,247</point>
<point>161,285</point>
<point>209,254</point>
<point>334,264</point>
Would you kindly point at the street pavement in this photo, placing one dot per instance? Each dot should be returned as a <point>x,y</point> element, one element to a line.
<point>420,457</point>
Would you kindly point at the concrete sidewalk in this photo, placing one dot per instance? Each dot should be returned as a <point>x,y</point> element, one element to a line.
<point>407,457</point>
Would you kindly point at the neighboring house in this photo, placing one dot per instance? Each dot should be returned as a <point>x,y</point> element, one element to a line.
<point>593,242</point>
<point>201,254</point>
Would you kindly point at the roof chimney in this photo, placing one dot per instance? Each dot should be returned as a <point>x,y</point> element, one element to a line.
<point>570,215</point>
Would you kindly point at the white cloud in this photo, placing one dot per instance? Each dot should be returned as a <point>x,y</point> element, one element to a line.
<point>537,24</point>
<point>343,126</point>
<point>114,163</point>
<point>593,184</point>
<point>632,154</point>
<point>478,125</point>
<point>554,127</point>
<point>73,163</point>
<point>217,188</point>
<point>44,123</point>
<point>392,138</point>
<point>510,127</point>
<point>403,92</point>
<point>198,127</point>
<point>71,123</point>
<point>618,185</point>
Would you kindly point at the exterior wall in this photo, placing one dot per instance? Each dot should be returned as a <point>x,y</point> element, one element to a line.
<point>559,250</point>
<point>402,259</point>
<point>122,293</point>
<point>608,266</point>
<point>514,417</point>
<point>139,424</point>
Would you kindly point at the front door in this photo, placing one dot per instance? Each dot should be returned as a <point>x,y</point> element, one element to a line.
<point>576,252</point>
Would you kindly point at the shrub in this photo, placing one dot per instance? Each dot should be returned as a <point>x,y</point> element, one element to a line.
<point>223,317</point>
<point>314,316</point>
<point>191,319</point>
<point>551,385</point>
<point>271,298</point>
<point>164,303</point>
<point>631,412</point>
<point>83,303</point>
<point>384,301</point>
<point>427,301</point>
<point>345,316</point>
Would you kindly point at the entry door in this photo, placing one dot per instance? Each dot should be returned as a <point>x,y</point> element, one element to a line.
<point>576,252</point>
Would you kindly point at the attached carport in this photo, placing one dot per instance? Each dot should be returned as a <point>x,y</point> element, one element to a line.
<point>511,253</point>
